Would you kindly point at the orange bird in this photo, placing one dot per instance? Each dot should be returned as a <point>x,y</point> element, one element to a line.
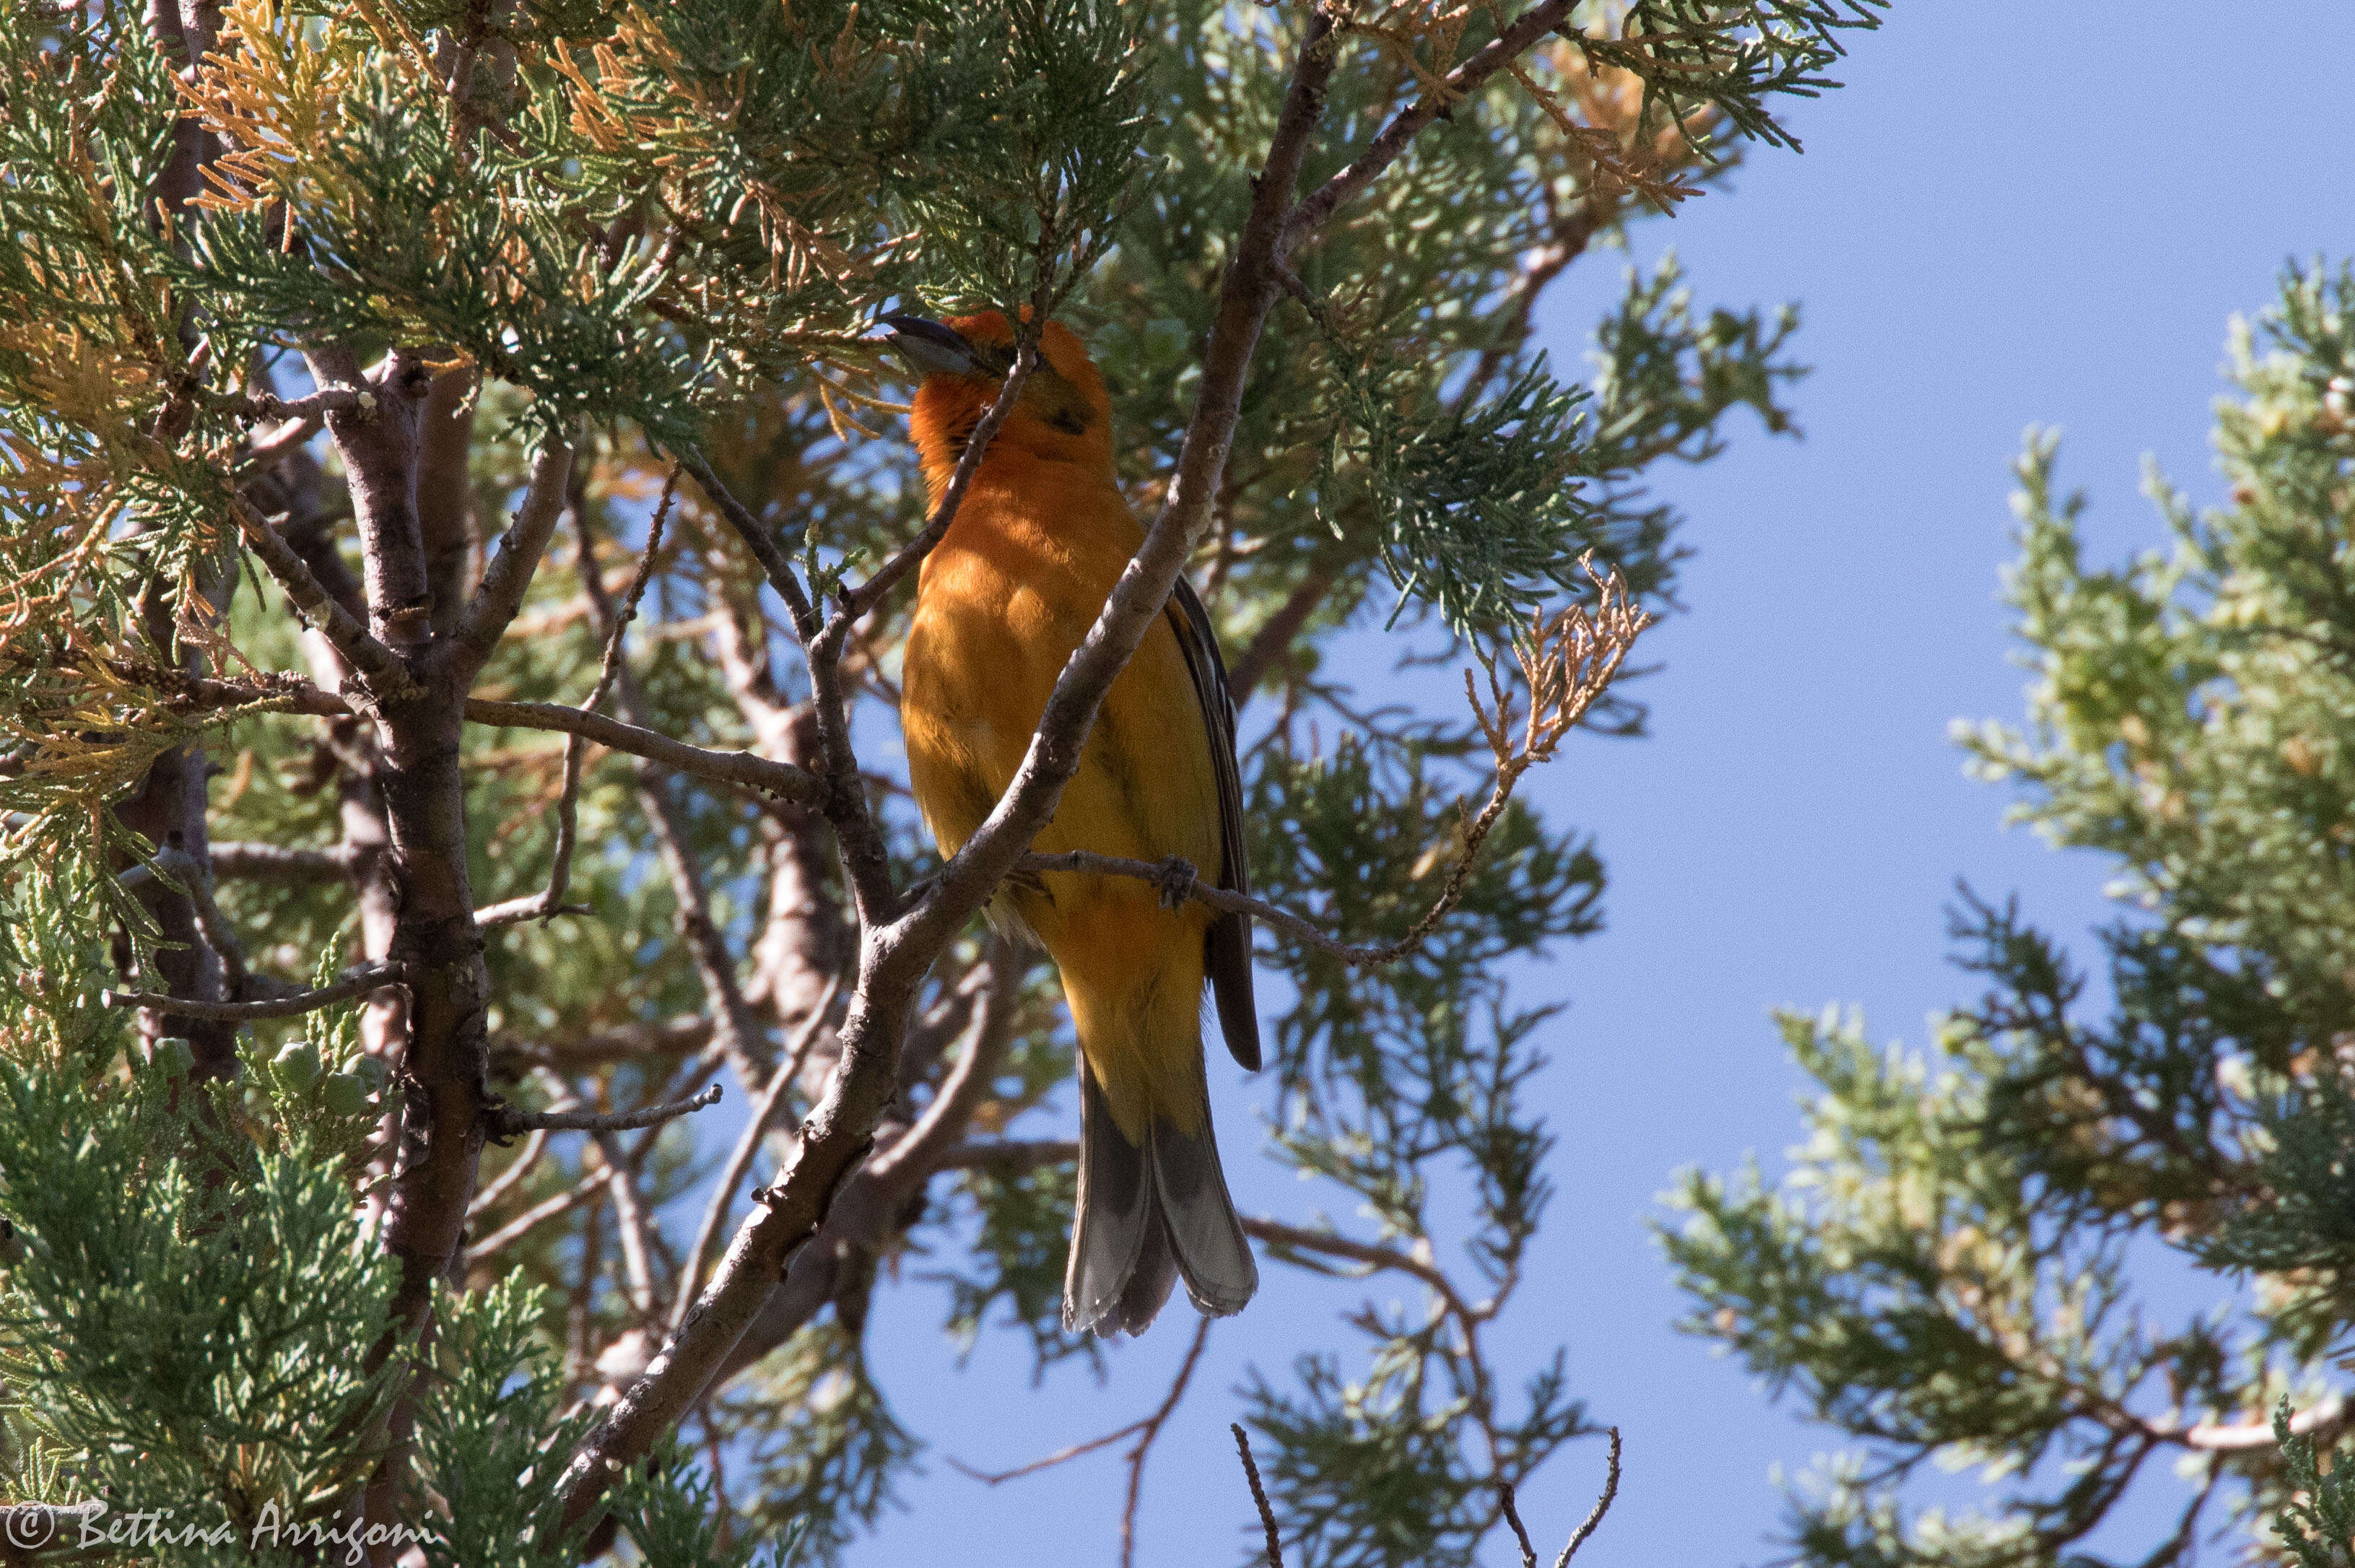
<point>1011,589</point>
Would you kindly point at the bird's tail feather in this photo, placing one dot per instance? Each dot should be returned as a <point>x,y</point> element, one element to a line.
<point>1148,1216</point>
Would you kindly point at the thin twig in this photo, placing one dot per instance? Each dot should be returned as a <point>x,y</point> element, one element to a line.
<point>549,901</point>
<point>517,1169</point>
<point>511,1121</point>
<point>1150,1429</point>
<point>538,1214</point>
<point>774,565</point>
<point>780,780</point>
<point>632,1226</point>
<point>1602,1506</point>
<point>1145,1428</point>
<point>1514,40</point>
<point>715,1214</point>
<point>196,881</point>
<point>1259,1496</point>
<point>356,981</point>
<point>1567,661</point>
<point>1513,1518</point>
<point>1275,1232</point>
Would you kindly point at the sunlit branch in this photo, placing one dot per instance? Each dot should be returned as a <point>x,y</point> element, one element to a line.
<point>509,577</point>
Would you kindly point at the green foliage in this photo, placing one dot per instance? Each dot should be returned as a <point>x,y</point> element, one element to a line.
<point>648,227</point>
<point>1950,1272</point>
<point>2318,1524</point>
<point>499,1413</point>
<point>1691,53</point>
<point>1378,1472</point>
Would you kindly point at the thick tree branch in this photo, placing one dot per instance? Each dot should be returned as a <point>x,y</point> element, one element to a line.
<point>509,577</point>
<point>1245,295</point>
<point>387,677</point>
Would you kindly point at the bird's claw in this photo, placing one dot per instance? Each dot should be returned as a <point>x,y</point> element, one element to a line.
<point>1176,881</point>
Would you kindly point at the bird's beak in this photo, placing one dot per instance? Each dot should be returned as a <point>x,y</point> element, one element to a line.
<point>932,349</point>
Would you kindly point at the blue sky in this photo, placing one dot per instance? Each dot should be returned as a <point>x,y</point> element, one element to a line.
<point>2013,215</point>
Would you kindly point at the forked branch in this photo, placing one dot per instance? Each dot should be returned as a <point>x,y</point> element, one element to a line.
<point>1578,1537</point>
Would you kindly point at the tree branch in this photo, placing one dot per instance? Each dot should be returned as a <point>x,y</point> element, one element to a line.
<point>1008,1155</point>
<point>549,901</point>
<point>509,577</point>
<point>1244,296</point>
<point>1566,663</point>
<point>1522,34</point>
<point>895,957</point>
<point>1578,1537</point>
<point>531,1219</point>
<point>278,863</point>
<point>387,677</point>
<point>358,982</point>
<point>1298,1239</point>
<point>774,565</point>
<point>715,1214</point>
<point>490,1197</point>
<point>856,602</point>
<point>1144,1430</point>
<point>779,779</point>
<point>506,1122</point>
<point>1259,1496</point>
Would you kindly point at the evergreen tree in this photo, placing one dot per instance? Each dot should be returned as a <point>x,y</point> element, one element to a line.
<point>450,510</point>
<point>1957,1268</point>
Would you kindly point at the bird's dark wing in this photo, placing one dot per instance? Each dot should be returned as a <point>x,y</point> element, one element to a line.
<point>1227,950</point>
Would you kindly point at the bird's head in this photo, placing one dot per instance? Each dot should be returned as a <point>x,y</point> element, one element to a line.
<point>1063,416</point>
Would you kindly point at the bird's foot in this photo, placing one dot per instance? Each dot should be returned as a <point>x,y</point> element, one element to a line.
<point>1176,880</point>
